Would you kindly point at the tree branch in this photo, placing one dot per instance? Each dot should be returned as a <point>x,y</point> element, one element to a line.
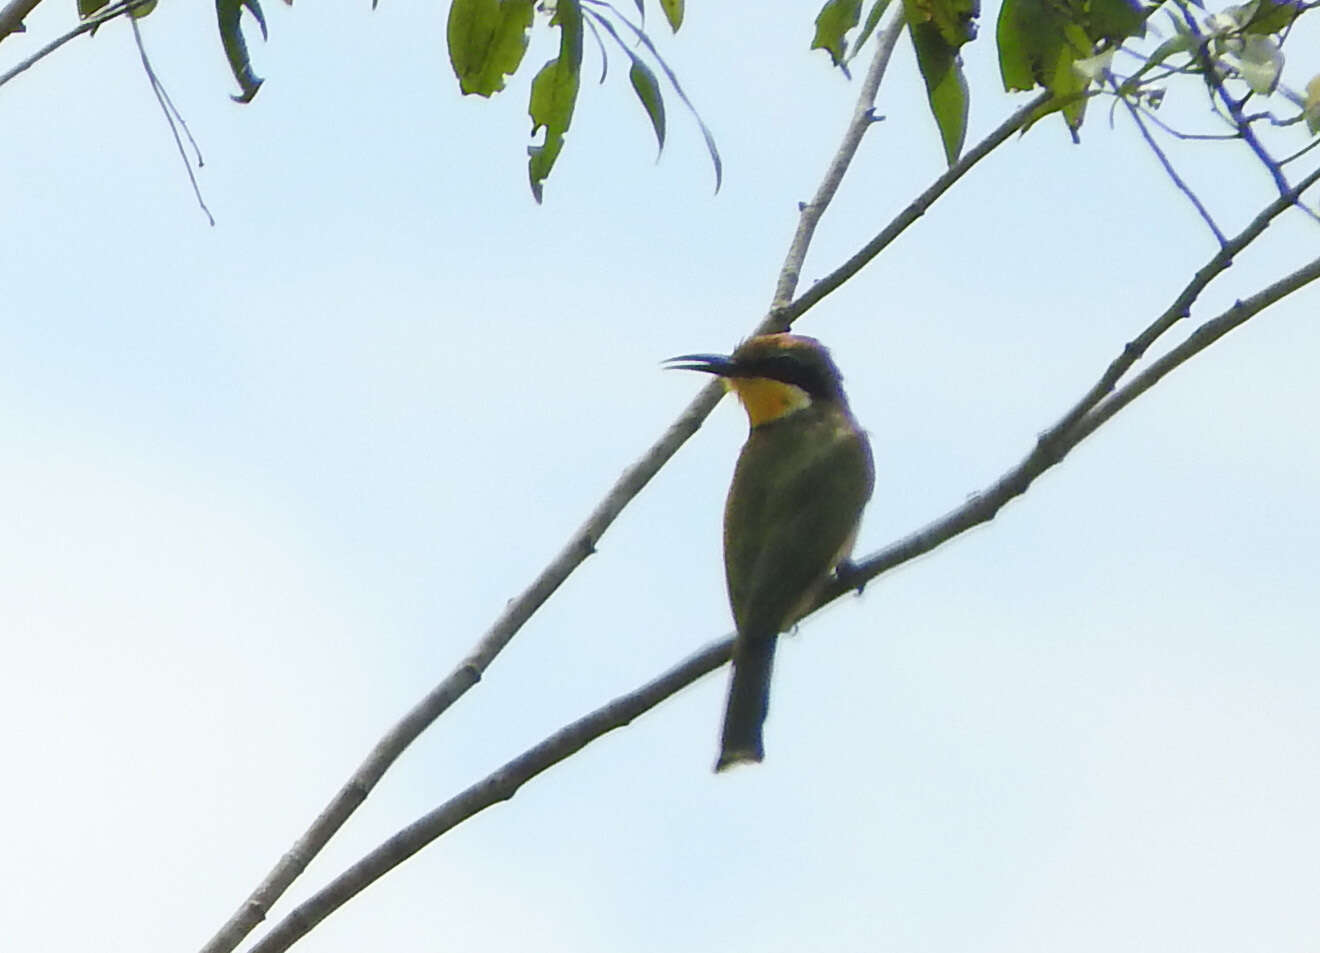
<point>496,787</point>
<point>862,118</point>
<point>505,782</point>
<point>900,222</point>
<point>1164,161</point>
<point>88,25</point>
<point>581,545</point>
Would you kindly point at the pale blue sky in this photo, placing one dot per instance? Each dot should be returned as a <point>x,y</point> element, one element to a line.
<point>268,481</point>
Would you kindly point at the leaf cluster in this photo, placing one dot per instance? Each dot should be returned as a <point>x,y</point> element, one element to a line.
<point>488,39</point>
<point>1066,48</point>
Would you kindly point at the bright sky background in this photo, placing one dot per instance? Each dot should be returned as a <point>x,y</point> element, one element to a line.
<point>267,482</point>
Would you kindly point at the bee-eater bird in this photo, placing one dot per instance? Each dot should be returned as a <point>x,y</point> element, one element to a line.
<point>802,479</point>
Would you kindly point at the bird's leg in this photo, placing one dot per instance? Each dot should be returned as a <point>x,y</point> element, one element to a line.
<point>846,568</point>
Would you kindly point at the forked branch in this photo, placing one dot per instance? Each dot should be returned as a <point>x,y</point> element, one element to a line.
<point>504,782</point>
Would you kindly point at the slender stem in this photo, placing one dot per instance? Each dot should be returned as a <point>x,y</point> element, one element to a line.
<point>172,118</point>
<point>863,118</point>
<point>109,13</point>
<point>470,670</point>
<point>917,208</point>
<point>1093,409</point>
<point>1168,166</point>
<point>1200,339</point>
<point>496,787</point>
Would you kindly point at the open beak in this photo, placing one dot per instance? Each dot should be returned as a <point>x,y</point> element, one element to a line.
<point>719,364</point>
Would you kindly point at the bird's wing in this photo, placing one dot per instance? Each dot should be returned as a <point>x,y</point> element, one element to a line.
<point>783,538</point>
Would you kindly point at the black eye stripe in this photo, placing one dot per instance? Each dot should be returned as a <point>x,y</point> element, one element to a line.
<point>815,379</point>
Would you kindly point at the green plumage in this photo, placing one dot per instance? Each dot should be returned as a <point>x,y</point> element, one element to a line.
<point>797,495</point>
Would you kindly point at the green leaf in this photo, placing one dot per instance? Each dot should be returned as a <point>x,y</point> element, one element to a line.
<point>954,19</point>
<point>647,88</point>
<point>939,28</point>
<point>873,16</point>
<point>87,7</point>
<point>835,19</point>
<point>1271,16</point>
<point>1114,20</point>
<point>1041,41</point>
<point>673,13</point>
<point>1031,34</point>
<point>227,13</point>
<point>1311,105</point>
<point>1067,87</point>
<point>949,103</point>
<point>645,40</point>
<point>487,40</point>
<point>554,94</point>
<point>137,13</point>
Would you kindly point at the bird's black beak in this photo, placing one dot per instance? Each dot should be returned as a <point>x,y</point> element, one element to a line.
<point>719,364</point>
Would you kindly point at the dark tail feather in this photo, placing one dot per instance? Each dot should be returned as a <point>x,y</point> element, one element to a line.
<point>749,699</point>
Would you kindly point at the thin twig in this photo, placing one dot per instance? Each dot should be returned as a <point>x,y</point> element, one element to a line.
<point>469,671</point>
<point>1300,152</point>
<point>1179,309</point>
<point>109,13</point>
<point>503,783</point>
<point>1054,444</point>
<point>1200,339</point>
<point>863,118</point>
<point>1237,119</point>
<point>1168,166</point>
<point>172,118</point>
<point>496,787</point>
<point>917,208</point>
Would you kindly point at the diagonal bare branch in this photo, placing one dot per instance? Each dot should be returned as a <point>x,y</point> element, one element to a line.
<point>505,781</point>
<point>862,118</point>
<point>580,545</point>
<point>1164,161</point>
<point>496,787</point>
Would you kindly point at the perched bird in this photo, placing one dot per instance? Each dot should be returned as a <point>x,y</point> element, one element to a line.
<point>802,479</point>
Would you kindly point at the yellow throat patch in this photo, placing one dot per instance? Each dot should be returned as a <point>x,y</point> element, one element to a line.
<point>765,399</point>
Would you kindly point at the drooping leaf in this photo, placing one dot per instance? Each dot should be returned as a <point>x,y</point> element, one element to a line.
<point>227,14</point>
<point>873,16</point>
<point>1260,61</point>
<point>835,19</point>
<point>1271,16</point>
<point>138,12</point>
<point>487,40</point>
<point>949,103</point>
<point>1031,34</point>
<point>1311,105</point>
<point>554,94</point>
<point>939,28</point>
<point>87,7</point>
<point>1113,20</point>
<point>1068,85</point>
<point>954,19</point>
<point>647,88</point>
<point>711,148</point>
<point>1041,43</point>
<point>673,13</point>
